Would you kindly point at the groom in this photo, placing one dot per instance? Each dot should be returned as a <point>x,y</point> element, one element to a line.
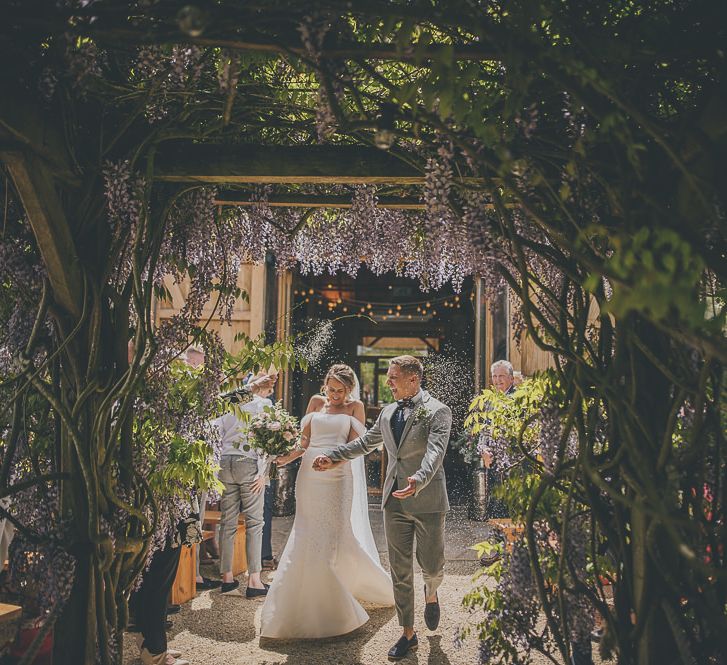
<point>415,432</point>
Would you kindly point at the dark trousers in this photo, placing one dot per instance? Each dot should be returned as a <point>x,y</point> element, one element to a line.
<point>495,507</point>
<point>581,653</point>
<point>149,603</point>
<point>267,549</point>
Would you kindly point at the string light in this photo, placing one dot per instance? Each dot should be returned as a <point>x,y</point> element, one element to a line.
<point>381,310</point>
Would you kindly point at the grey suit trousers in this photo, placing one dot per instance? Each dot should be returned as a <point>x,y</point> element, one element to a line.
<point>401,529</point>
<point>237,474</point>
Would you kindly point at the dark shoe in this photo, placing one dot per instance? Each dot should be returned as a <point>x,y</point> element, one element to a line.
<point>207,583</point>
<point>489,559</point>
<point>270,564</point>
<point>173,609</point>
<point>168,625</point>
<point>257,593</point>
<point>403,647</point>
<point>231,588</point>
<point>431,613</point>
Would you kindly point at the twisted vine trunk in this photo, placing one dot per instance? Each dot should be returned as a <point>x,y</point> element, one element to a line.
<point>96,611</point>
<point>643,428</point>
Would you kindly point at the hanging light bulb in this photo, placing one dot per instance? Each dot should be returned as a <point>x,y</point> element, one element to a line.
<point>345,309</point>
<point>391,311</point>
<point>369,306</point>
<point>385,129</point>
<point>398,307</point>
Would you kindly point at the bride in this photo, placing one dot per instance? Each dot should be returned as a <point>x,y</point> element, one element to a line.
<point>330,561</point>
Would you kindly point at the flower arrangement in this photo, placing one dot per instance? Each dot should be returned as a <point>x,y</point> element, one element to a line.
<point>272,432</point>
<point>422,414</point>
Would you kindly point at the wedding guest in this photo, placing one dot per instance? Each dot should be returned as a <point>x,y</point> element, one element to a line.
<point>503,379</point>
<point>149,603</point>
<point>194,357</point>
<point>244,475</point>
<point>269,562</point>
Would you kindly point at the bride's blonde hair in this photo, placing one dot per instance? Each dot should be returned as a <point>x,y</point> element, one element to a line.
<point>342,373</point>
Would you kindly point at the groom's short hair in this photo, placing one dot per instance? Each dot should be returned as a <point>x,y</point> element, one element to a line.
<point>408,365</point>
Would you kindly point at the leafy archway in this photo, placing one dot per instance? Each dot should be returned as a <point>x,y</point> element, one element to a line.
<point>569,153</point>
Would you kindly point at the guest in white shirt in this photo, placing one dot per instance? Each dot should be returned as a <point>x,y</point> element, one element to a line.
<point>244,475</point>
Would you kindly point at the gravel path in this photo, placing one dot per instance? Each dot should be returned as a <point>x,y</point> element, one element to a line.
<point>213,630</point>
<point>219,630</point>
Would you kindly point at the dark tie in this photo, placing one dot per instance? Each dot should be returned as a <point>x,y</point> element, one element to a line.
<point>398,421</point>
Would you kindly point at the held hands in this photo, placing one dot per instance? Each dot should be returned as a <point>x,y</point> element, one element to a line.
<point>323,463</point>
<point>408,491</point>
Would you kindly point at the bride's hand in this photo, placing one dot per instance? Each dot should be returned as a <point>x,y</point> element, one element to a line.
<point>322,463</point>
<point>282,460</point>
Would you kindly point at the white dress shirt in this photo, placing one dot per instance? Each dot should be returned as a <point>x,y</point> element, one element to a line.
<point>233,432</point>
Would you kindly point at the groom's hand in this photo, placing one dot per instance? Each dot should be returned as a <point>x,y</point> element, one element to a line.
<point>407,491</point>
<point>322,463</point>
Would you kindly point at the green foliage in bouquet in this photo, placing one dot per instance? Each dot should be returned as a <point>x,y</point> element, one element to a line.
<point>272,432</point>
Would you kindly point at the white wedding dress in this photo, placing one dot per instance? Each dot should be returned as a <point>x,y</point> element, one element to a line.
<point>325,569</point>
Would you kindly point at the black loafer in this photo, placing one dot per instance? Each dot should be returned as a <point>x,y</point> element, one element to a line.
<point>403,647</point>
<point>431,613</point>
<point>207,583</point>
<point>256,593</point>
<point>173,609</point>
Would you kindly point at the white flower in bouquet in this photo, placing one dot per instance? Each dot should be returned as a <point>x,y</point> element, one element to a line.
<point>272,433</point>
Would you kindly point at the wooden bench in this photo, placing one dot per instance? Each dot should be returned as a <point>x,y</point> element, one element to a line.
<point>184,587</point>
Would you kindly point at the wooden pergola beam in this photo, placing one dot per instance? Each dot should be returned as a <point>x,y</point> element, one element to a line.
<point>37,193</point>
<point>256,164</point>
<point>252,40</point>
<point>314,201</point>
<point>23,126</point>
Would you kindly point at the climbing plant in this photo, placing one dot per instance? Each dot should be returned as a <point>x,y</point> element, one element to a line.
<point>570,154</point>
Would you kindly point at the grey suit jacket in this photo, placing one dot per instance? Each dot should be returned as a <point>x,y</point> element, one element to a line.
<point>419,455</point>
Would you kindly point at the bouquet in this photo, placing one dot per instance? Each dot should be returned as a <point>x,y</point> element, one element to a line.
<point>272,432</point>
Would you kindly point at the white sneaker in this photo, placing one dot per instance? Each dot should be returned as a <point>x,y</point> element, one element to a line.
<point>174,653</point>
<point>148,658</point>
<point>171,660</point>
